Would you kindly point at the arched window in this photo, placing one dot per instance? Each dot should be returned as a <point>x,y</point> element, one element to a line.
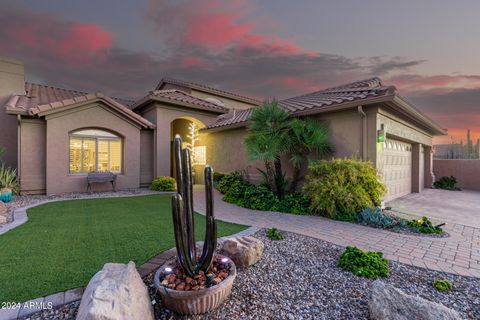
<point>95,150</point>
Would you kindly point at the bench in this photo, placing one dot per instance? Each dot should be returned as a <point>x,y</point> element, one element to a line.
<point>101,177</point>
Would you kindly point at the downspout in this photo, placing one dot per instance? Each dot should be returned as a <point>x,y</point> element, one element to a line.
<point>19,148</point>
<point>364,132</point>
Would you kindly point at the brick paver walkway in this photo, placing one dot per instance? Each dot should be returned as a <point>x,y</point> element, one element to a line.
<point>458,254</point>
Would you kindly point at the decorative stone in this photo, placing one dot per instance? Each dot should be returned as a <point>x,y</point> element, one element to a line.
<point>389,303</point>
<point>244,251</point>
<point>116,292</point>
<point>3,219</point>
<point>3,208</point>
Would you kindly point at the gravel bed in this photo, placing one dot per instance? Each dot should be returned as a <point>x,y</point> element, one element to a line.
<point>65,312</point>
<point>297,278</point>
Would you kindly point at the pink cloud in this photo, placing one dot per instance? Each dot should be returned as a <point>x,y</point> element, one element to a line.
<point>440,83</point>
<point>219,25</point>
<point>297,83</point>
<point>68,41</point>
<point>192,62</point>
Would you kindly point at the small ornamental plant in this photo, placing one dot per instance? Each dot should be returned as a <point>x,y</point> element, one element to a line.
<point>442,285</point>
<point>163,184</point>
<point>369,264</point>
<point>424,225</point>
<point>274,234</point>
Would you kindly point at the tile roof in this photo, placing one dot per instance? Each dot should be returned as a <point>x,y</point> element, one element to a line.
<point>202,87</point>
<point>179,96</point>
<point>323,99</point>
<point>40,98</point>
<point>317,101</point>
<point>234,117</point>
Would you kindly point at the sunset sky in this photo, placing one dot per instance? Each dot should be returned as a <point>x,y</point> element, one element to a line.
<point>430,50</point>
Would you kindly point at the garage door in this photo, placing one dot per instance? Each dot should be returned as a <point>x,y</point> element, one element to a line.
<point>397,168</point>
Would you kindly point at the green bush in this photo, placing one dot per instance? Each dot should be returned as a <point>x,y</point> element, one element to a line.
<point>342,187</point>
<point>9,179</point>
<point>424,225</point>
<point>244,194</point>
<point>370,264</point>
<point>163,184</point>
<point>274,234</point>
<point>230,181</point>
<point>442,285</point>
<point>217,176</point>
<point>447,183</point>
<point>376,218</point>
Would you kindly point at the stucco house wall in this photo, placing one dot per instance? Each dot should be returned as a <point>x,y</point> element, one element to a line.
<point>96,115</point>
<point>146,157</point>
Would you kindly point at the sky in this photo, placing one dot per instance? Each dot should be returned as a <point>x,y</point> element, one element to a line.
<point>428,49</point>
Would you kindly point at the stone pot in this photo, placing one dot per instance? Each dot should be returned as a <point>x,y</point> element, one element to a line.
<point>195,302</point>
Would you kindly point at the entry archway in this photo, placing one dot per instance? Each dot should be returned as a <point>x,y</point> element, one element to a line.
<point>189,129</point>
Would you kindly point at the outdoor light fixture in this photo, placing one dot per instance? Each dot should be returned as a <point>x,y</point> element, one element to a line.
<point>224,260</point>
<point>381,134</point>
<point>168,269</point>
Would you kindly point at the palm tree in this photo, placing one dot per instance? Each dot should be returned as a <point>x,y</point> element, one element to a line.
<point>308,138</point>
<point>268,138</point>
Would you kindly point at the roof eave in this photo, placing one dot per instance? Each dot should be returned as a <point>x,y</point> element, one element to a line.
<point>153,98</point>
<point>144,124</point>
<point>435,128</point>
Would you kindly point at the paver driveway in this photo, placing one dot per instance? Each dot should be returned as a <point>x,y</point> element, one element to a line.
<point>457,207</point>
<point>458,254</point>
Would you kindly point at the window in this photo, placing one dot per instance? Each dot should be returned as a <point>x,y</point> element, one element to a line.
<point>95,150</point>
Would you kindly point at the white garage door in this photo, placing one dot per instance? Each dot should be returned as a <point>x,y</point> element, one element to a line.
<point>397,168</point>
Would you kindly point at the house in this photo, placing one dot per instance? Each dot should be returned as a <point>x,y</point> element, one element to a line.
<point>56,136</point>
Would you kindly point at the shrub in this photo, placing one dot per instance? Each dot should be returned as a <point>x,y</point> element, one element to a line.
<point>163,183</point>
<point>274,234</point>
<point>376,218</point>
<point>295,203</point>
<point>424,225</point>
<point>9,179</point>
<point>442,285</point>
<point>230,180</point>
<point>447,183</point>
<point>217,176</point>
<point>342,187</point>
<point>370,264</point>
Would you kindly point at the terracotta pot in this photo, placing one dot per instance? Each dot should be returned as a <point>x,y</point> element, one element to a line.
<point>195,302</point>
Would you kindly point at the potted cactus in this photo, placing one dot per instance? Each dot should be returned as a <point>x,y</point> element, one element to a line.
<point>193,283</point>
<point>8,183</point>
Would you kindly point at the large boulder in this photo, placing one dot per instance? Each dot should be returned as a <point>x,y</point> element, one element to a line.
<point>389,303</point>
<point>244,251</point>
<point>3,208</point>
<point>116,292</point>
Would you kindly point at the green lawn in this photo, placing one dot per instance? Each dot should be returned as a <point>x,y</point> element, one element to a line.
<point>65,243</point>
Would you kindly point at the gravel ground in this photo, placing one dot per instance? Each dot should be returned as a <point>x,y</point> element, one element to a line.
<point>297,278</point>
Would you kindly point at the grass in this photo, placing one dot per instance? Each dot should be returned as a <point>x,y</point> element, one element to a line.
<point>65,243</point>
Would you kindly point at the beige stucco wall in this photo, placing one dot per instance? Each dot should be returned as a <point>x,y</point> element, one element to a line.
<point>97,115</point>
<point>467,172</point>
<point>11,82</point>
<point>229,103</point>
<point>146,157</point>
<point>33,158</point>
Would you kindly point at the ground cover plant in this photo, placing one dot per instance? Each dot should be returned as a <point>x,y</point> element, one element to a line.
<point>369,264</point>
<point>424,225</point>
<point>442,285</point>
<point>274,234</point>
<point>163,183</point>
<point>238,191</point>
<point>340,188</point>
<point>446,183</point>
<point>65,243</point>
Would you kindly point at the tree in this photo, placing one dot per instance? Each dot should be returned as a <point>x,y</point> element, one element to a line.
<point>268,138</point>
<point>308,139</point>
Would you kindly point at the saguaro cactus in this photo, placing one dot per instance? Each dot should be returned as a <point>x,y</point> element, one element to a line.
<point>183,217</point>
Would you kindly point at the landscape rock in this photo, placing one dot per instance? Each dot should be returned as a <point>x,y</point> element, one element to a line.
<point>244,251</point>
<point>3,219</point>
<point>3,208</point>
<point>389,303</point>
<point>116,292</point>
